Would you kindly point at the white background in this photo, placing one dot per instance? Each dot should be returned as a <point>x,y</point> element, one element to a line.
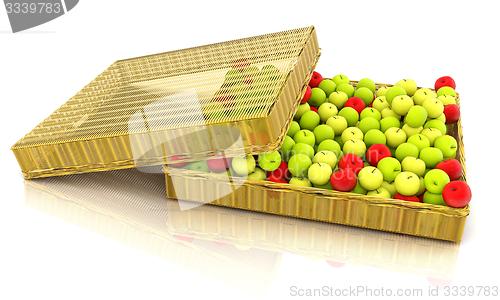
<point>44,257</point>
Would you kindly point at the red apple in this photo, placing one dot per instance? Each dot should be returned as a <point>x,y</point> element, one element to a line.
<point>248,79</point>
<point>421,197</point>
<point>184,238</point>
<point>335,264</point>
<point>457,194</point>
<point>444,81</point>
<point>412,198</point>
<point>276,179</point>
<point>351,161</point>
<point>357,103</point>
<point>258,138</point>
<point>218,164</point>
<point>240,64</point>
<point>314,109</point>
<point>281,172</point>
<point>452,113</point>
<point>316,79</point>
<point>219,243</point>
<point>177,165</point>
<point>343,180</point>
<point>376,152</point>
<point>452,167</point>
<point>307,95</point>
<point>227,101</point>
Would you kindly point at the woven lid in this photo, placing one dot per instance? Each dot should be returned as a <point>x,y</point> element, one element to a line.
<point>238,97</point>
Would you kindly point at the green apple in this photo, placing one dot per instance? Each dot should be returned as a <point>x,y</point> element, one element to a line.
<point>380,103</point>
<point>421,190</point>
<point>434,107</point>
<point>328,86</point>
<point>352,133</point>
<point>350,114</point>
<point>407,183</point>
<point>305,136</point>
<point>446,90</point>
<point>355,146</point>
<point>319,173</point>
<point>340,79</point>
<point>402,104</point>
<point>286,147</point>
<point>270,161</point>
<point>435,180</point>
<point>406,150</point>
<point>414,165</point>
<point>367,83</point>
<point>327,110</point>
<point>302,181</point>
<point>390,168</point>
<point>419,140</point>
<point>233,76</point>
<point>200,166</point>
<point>257,174</point>
<point>390,187</point>
<point>338,98</point>
<point>301,110</point>
<point>393,92</point>
<point>303,149</point>
<point>447,100</point>
<point>447,144</point>
<point>293,129</point>
<point>326,186</point>
<point>441,118</point>
<point>299,164</point>
<point>309,120</point>
<point>395,136</point>
<point>346,88</point>
<point>338,139</point>
<point>373,137</point>
<point>358,189</point>
<point>411,130</point>
<point>436,199</point>
<point>367,124</point>
<point>329,145</point>
<point>243,166</point>
<point>431,156</point>
<point>338,124</point>
<point>370,178</point>
<point>380,192</point>
<point>432,134</point>
<point>389,122</point>
<point>423,94</point>
<point>389,112</point>
<point>416,116</point>
<point>327,157</point>
<point>365,94</point>
<point>370,112</point>
<point>318,97</point>
<point>437,124</point>
<point>409,85</point>
<point>323,132</point>
<point>381,91</point>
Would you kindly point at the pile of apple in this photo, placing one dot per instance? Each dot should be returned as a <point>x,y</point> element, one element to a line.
<point>389,142</point>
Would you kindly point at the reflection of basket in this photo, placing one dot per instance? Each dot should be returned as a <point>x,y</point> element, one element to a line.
<point>400,216</point>
<point>144,110</point>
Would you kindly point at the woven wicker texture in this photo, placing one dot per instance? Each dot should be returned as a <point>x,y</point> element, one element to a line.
<point>193,102</point>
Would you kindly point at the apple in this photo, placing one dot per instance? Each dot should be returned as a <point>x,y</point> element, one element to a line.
<point>411,198</point>
<point>370,112</point>
<point>318,97</point>
<point>435,180</point>
<point>276,179</point>
<point>303,149</point>
<point>314,109</point>
<point>432,198</point>
<point>323,132</point>
<point>200,166</point>
<point>329,145</point>
<point>338,98</point>
<point>390,187</point>
<point>414,165</point>
<point>389,112</point>
<point>243,166</point>
<point>302,181</point>
<point>257,174</point>
<point>326,186</point>
<point>293,129</point>
<point>411,130</point>
<point>351,161</point>
<point>409,85</point>
<point>377,152</point>
<point>305,136</point>
<point>319,173</point>
<point>233,76</point>
<point>316,79</point>
<point>350,114</point>
<point>177,165</point>
<point>358,189</point>
<point>447,99</point>
<point>370,178</point>
<point>419,140</point>
<point>343,180</point>
<point>374,136</point>
<point>437,124</point>
<point>327,157</point>
<point>416,116</point>
<point>340,79</point>
<point>327,110</point>
<point>431,133</point>
<point>286,148</point>
<point>444,81</point>
<point>366,83</point>
<point>337,123</point>
<point>352,133</point>
<point>365,94</point>
<point>393,92</point>
<point>422,189</point>
<point>431,156</point>
<point>402,104</point>
<point>407,183</point>
<point>389,122</point>
<point>309,120</point>
<point>423,94</point>
<point>380,103</point>
<point>457,194</point>
<point>299,164</point>
<point>328,86</point>
<point>269,161</point>
<point>355,146</point>
<point>447,144</point>
<point>367,124</point>
<point>452,167</point>
<point>395,136</point>
<point>406,150</point>
<point>434,107</point>
<point>346,88</point>
<point>356,103</point>
<point>307,95</point>
<point>452,113</point>
<point>380,192</point>
<point>301,110</point>
<point>381,91</point>
<point>218,164</point>
<point>338,139</point>
<point>390,168</point>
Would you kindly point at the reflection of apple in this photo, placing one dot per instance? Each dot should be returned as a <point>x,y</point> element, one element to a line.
<point>179,164</point>
<point>218,164</point>
<point>335,264</point>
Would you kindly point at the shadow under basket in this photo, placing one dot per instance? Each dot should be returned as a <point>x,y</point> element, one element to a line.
<point>419,219</point>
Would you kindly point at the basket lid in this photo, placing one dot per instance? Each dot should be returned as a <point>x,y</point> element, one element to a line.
<point>236,97</point>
